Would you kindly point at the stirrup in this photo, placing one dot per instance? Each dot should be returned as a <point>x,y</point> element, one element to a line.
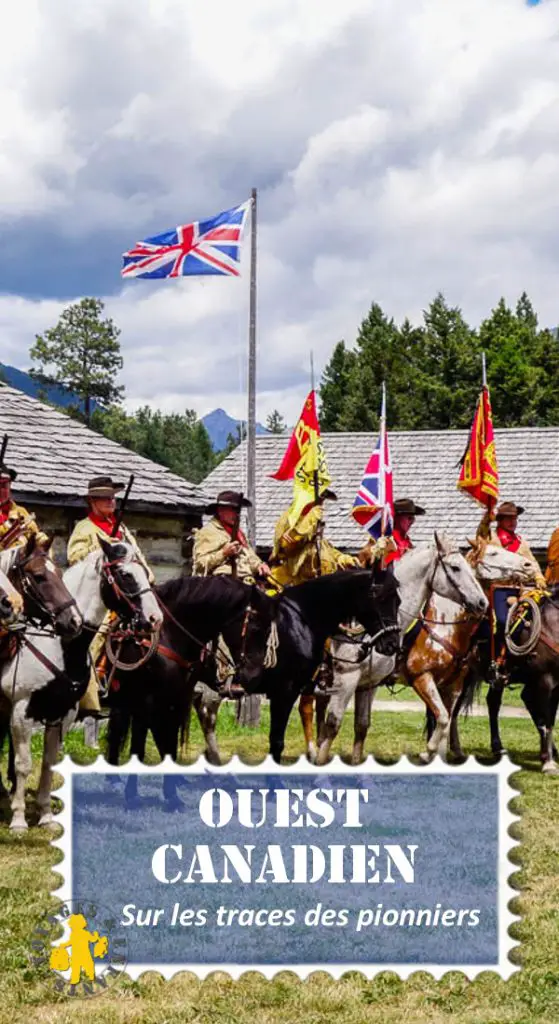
<point>233,691</point>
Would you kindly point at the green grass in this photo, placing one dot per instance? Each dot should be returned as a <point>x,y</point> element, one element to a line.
<point>531,996</point>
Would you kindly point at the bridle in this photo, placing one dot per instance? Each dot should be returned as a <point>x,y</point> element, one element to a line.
<point>125,596</point>
<point>30,591</point>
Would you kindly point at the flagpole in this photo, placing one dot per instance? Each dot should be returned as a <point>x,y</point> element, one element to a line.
<point>251,417</point>
<point>483,370</point>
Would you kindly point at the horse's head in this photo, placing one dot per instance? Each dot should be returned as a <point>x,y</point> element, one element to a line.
<point>251,636</point>
<point>452,577</point>
<point>494,564</point>
<point>46,598</point>
<point>125,588</point>
<point>378,612</point>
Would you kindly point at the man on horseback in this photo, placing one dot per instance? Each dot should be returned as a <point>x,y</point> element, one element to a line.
<point>17,525</point>
<point>100,522</point>
<point>405,511</point>
<point>302,552</point>
<point>221,548</point>
<point>505,535</point>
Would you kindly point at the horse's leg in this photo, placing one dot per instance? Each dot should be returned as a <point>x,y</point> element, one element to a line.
<point>281,706</point>
<point>306,711</point>
<point>51,749</point>
<point>539,699</point>
<point>494,700</point>
<point>321,702</point>
<point>207,704</point>
<point>454,741</point>
<point>361,722</point>
<point>451,694</point>
<point>21,729</point>
<point>425,686</point>
<point>347,682</point>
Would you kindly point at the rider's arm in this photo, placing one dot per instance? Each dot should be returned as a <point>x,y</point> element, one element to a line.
<point>207,553</point>
<point>82,542</point>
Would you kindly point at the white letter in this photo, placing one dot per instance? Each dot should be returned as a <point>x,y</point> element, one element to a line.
<point>128,911</point>
<point>244,807</point>
<point>283,807</point>
<point>300,863</point>
<point>276,868</point>
<point>352,798</point>
<point>158,863</point>
<point>238,862</point>
<point>320,807</point>
<point>225,808</point>
<point>206,871</point>
<point>405,866</point>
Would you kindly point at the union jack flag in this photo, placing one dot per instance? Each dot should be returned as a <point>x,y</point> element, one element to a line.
<point>374,502</point>
<point>204,247</point>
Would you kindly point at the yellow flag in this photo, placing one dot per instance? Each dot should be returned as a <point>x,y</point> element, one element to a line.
<point>311,476</point>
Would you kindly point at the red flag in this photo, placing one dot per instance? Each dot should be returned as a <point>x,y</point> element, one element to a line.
<point>300,439</point>
<point>479,475</point>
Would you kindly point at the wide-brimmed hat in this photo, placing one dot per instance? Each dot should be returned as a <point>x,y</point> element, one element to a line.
<point>508,508</point>
<point>103,487</point>
<point>228,499</point>
<point>6,473</point>
<point>407,507</point>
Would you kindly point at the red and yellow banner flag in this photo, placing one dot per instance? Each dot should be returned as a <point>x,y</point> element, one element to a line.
<point>304,461</point>
<point>479,475</point>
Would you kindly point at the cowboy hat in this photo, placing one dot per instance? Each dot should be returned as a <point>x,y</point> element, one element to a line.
<point>508,508</point>
<point>103,487</point>
<point>407,507</point>
<point>228,499</point>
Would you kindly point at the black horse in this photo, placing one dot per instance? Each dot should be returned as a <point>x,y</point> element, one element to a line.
<point>158,695</point>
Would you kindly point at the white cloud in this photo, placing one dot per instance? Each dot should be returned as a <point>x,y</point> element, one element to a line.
<point>400,148</point>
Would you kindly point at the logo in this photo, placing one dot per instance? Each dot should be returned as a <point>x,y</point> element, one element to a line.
<point>82,947</point>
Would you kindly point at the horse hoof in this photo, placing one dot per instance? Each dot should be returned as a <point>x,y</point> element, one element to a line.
<point>19,826</point>
<point>312,753</point>
<point>425,757</point>
<point>47,821</point>
<point>550,768</point>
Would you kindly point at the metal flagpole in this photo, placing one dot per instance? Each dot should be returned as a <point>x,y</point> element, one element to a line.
<point>248,708</point>
<point>251,417</point>
<point>483,370</point>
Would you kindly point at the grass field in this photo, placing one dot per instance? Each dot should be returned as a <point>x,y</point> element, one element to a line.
<point>26,876</point>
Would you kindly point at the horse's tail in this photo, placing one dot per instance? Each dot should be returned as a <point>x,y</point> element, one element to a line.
<point>470,692</point>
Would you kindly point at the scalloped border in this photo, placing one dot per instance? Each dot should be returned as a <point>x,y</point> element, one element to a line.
<point>504,769</point>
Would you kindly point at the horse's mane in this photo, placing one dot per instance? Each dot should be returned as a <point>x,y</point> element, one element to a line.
<point>201,588</point>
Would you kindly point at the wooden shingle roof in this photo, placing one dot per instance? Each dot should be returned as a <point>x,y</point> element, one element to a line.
<point>425,469</point>
<point>55,456</point>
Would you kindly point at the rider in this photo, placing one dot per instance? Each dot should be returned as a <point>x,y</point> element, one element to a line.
<point>100,522</point>
<point>505,535</point>
<point>405,511</point>
<point>221,548</point>
<point>16,523</point>
<point>295,557</point>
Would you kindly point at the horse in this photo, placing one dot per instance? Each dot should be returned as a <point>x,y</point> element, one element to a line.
<point>207,703</point>
<point>285,637</point>
<point>537,671</point>
<point>439,659</point>
<point>155,693</point>
<point>436,568</point>
<point>45,678</point>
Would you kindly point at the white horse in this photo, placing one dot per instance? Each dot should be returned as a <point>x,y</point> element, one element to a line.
<point>438,567</point>
<point>46,687</point>
<point>360,679</point>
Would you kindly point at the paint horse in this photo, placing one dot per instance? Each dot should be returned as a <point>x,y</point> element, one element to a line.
<point>44,679</point>
<point>436,663</point>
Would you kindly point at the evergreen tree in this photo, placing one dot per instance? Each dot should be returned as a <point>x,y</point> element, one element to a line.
<point>275,423</point>
<point>81,352</point>
<point>334,388</point>
<point>510,343</point>
<point>449,377</point>
<point>376,359</point>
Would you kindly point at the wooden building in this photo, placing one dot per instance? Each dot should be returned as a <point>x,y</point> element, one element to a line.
<point>55,456</point>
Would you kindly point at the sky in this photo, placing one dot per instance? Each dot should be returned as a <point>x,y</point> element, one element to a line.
<point>399,148</point>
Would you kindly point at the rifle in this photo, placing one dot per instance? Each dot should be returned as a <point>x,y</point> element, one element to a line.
<point>120,513</point>
<point>235,537</point>
<point>14,533</point>
<point>3,451</point>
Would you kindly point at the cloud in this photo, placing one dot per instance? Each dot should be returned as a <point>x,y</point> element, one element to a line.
<point>399,148</point>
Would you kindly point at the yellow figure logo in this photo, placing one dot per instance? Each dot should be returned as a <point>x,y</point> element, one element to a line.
<point>81,958</point>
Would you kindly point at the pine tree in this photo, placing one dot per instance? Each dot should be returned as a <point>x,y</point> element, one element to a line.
<point>334,388</point>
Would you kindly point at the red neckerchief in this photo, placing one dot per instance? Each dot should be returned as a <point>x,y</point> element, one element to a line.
<point>238,536</point>
<point>403,543</point>
<point>509,541</point>
<point>5,510</point>
<point>106,525</point>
